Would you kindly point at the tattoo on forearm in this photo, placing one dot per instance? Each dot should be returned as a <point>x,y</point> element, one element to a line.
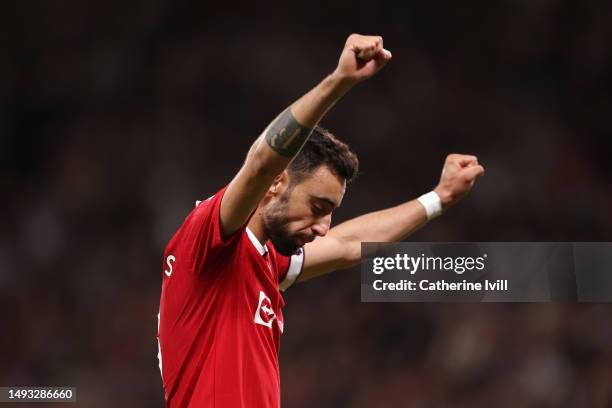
<point>285,135</point>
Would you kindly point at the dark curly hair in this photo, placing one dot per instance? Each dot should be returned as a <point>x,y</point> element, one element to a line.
<point>322,148</point>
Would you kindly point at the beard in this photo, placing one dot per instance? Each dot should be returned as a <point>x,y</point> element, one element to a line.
<point>275,227</point>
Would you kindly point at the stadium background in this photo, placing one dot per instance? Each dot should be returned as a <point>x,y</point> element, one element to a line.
<point>115,117</point>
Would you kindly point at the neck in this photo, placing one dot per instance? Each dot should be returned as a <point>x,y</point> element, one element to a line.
<point>256,226</point>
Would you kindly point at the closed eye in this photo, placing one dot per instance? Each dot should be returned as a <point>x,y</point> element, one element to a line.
<point>321,206</point>
<point>317,210</point>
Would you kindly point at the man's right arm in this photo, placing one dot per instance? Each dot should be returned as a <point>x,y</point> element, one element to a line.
<point>361,58</point>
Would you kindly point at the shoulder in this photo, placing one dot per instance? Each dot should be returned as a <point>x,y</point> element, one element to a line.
<point>288,268</point>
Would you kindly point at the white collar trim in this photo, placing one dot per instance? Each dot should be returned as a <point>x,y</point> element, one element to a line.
<point>263,249</point>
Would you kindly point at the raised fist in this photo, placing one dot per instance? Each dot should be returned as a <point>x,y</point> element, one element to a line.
<point>362,57</point>
<point>458,176</point>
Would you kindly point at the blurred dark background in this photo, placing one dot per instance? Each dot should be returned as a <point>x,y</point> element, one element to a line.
<point>115,117</point>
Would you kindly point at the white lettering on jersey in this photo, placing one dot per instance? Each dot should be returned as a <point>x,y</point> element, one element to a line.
<point>169,261</point>
<point>264,314</point>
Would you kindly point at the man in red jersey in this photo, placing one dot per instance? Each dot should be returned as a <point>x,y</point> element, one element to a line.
<point>221,309</point>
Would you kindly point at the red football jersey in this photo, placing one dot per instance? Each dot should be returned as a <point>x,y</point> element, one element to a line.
<point>220,316</point>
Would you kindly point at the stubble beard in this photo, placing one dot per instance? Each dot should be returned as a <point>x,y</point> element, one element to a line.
<point>275,227</point>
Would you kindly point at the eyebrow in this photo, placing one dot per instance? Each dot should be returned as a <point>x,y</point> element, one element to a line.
<point>327,200</point>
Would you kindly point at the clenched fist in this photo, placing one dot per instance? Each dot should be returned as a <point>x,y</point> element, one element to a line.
<point>458,176</point>
<point>362,57</point>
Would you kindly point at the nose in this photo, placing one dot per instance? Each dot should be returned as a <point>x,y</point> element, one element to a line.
<point>322,225</point>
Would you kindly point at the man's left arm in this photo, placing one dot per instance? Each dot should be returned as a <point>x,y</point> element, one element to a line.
<point>341,247</point>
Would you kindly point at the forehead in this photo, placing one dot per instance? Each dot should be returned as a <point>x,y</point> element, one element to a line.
<point>323,184</point>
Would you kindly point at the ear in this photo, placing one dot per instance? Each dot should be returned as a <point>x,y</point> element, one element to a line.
<point>280,183</point>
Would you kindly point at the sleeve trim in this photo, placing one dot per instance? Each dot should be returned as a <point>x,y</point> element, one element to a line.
<point>296,264</point>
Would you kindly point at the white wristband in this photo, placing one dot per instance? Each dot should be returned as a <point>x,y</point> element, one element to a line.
<point>432,203</point>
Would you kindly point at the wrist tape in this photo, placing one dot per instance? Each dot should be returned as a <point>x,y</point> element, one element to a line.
<point>432,203</point>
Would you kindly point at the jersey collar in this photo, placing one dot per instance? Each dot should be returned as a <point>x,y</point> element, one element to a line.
<point>263,249</point>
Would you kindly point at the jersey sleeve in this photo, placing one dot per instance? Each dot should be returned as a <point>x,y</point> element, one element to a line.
<point>290,268</point>
<point>202,234</point>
